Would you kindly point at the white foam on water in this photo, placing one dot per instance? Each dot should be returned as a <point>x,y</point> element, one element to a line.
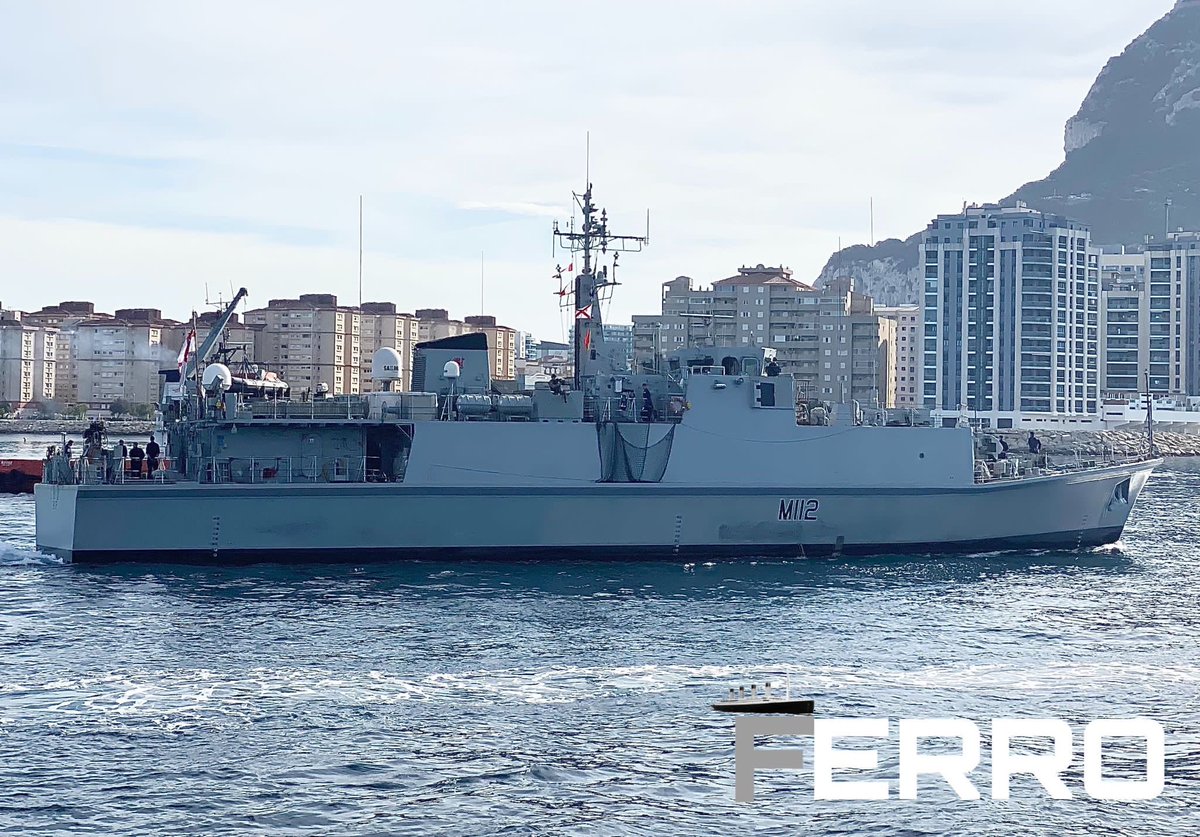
<point>12,555</point>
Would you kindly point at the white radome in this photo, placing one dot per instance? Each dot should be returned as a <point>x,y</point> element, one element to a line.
<point>385,364</point>
<point>217,376</point>
<point>451,370</point>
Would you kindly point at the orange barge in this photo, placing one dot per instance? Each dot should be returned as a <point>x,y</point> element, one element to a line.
<point>19,476</point>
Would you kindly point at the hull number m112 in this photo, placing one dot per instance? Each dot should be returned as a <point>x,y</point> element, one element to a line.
<point>798,510</point>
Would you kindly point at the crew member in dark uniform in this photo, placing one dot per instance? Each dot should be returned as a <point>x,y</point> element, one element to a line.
<point>152,451</point>
<point>136,455</point>
<point>647,404</point>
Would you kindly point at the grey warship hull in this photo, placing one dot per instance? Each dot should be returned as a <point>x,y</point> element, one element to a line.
<point>219,523</point>
<point>716,454</point>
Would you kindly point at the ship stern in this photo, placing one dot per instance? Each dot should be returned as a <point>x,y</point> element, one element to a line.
<point>54,509</point>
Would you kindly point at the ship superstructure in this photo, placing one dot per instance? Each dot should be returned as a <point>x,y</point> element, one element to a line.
<point>709,457</point>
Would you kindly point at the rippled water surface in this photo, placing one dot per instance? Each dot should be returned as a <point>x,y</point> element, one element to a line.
<point>571,698</point>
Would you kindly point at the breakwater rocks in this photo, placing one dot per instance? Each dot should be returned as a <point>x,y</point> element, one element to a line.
<point>72,427</point>
<point>1104,442</point>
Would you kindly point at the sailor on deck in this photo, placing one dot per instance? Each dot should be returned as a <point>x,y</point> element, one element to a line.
<point>136,455</point>
<point>152,451</point>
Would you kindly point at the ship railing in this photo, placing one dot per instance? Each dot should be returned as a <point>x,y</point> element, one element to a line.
<point>255,470</point>
<point>348,409</point>
<point>1040,465</point>
<point>630,409</point>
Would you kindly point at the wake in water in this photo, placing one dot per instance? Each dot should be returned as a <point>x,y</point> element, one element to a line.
<point>17,556</point>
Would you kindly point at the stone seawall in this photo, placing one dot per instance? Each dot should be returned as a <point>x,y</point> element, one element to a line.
<point>72,427</point>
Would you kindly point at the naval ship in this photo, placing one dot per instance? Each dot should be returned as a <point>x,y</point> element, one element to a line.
<point>707,457</point>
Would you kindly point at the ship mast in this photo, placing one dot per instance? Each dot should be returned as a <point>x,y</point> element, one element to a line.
<point>592,236</point>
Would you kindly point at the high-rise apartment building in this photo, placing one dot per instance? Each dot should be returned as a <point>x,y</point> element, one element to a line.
<point>1151,318</point>
<point>28,362</point>
<point>1125,326</point>
<point>1173,288</point>
<point>311,341</point>
<point>502,346</point>
<point>65,316</point>
<point>435,324</point>
<point>102,358</point>
<point>382,326</point>
<point>1011,305</point>
<point>119,358</point>
<point>910,357</point>
<point>831,340</point>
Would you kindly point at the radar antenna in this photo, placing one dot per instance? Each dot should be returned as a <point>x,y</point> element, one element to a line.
<point>593,282</point>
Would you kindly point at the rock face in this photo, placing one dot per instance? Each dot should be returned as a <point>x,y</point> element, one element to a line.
<point>1133,145</point>
<point>889,271</point>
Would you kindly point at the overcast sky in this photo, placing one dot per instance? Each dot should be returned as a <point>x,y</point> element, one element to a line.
<point>149,148</point>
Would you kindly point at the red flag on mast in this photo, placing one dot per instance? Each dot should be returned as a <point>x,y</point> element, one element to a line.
<point>186,350</point>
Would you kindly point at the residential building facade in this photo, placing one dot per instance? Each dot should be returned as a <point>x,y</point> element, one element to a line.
<point>311,341</point>
<point>831,340</point>
<point>382,326</point>
<point>1150,315</point>
<point>502,345</point>
<point>28,362</point>
<point>435,324</point>
<point>1011,317</point>
<point>910,358</point>
<point>118,358</point>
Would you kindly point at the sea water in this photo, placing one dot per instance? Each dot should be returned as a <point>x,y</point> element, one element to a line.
<point>573,697</point>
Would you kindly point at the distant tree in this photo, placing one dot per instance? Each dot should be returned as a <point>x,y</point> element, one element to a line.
<point>6,410</point>
<point>118,407</point>
<point>142,411</point>
<point>38,409</point>
<point>77,411</point>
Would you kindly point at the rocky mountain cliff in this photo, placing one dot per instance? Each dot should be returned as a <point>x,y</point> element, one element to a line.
<point>1133,145</point>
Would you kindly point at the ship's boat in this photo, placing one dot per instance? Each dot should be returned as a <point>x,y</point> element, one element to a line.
<point>713,455</point>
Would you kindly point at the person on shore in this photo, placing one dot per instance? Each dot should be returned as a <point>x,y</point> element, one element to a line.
<point>152,451</point>
<point>136,455</point>
<point>67,448</point>
<point>1035,444</point>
